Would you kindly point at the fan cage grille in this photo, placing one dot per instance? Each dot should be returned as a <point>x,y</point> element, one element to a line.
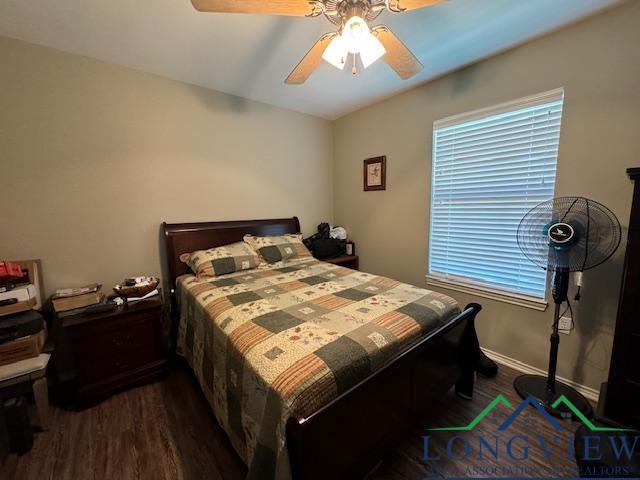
<point>598,234</point>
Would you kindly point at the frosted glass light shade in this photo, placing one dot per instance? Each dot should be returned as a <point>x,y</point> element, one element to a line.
<point>354,33</point>
<point>336,53</point>
<point>371,49</point>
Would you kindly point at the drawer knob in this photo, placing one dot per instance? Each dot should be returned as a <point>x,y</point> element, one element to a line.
<point>121,341</point>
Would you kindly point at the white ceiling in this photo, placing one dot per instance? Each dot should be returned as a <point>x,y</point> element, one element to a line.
<point>250,55</point>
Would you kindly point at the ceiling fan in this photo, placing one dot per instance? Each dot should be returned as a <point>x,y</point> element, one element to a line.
<point>354,36</point>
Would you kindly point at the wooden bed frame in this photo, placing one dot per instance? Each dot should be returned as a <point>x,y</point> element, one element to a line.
<point>348,437</point>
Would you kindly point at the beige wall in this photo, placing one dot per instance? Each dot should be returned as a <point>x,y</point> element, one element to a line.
<point>93,157</point>
<point>598,63</point>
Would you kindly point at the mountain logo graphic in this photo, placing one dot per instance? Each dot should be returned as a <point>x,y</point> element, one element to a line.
<point>529,401</point>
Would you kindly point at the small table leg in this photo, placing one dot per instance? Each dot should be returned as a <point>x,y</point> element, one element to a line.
<point>41,396</point>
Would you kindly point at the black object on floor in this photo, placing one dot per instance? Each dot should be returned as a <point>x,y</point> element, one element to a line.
<point>4,435</point>
<point>607,465</point>
<point>486,367</point>
<point>18,425</point>
<point>538,387</point>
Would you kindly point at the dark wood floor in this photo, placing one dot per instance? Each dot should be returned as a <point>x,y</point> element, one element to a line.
<point>166,431</point>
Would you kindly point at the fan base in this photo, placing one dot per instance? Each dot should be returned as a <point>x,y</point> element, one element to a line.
<point>536,386</point>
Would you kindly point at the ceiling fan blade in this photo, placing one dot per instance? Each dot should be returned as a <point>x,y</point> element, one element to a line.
<point>398,56</point>
<point>402,5</point>
<point>310,62</point>
<point>295,8</point>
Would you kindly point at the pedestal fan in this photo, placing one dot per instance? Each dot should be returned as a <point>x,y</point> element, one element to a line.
<point>564,235</point>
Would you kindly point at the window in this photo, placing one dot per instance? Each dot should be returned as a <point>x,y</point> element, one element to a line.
<point>490,167</point>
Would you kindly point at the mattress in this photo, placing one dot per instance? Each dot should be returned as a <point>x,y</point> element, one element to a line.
<point>283,340</point>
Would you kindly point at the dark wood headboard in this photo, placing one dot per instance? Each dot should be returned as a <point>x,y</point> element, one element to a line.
<point>188,237</point>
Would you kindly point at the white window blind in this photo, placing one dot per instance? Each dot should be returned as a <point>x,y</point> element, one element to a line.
<point>490,167</point>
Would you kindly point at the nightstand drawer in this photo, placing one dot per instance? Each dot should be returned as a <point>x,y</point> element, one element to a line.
<point>110,341</point>
<point>122,361</point>
<point>105,325</point>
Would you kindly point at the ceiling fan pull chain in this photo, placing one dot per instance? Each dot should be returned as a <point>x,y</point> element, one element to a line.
<point>354,70</point>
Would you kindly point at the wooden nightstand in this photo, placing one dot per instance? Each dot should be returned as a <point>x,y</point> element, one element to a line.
<point>109,351</point>
<point>348,261</point>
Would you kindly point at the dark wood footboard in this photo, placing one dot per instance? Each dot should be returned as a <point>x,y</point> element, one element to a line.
<point>346,438</point>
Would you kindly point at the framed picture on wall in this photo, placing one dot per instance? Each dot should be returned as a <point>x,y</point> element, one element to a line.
<point>375,173</point>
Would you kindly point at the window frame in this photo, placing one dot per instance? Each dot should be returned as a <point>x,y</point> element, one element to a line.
<point>465,284</point>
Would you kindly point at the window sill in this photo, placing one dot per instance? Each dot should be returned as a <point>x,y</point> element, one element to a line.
<point>487,292</point>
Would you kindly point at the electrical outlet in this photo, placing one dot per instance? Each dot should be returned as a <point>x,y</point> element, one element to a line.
<point>564,325</point>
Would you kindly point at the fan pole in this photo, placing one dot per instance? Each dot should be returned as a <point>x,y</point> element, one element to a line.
<point>547,390</point>
<point>553,354</point>
<point>559,290</point>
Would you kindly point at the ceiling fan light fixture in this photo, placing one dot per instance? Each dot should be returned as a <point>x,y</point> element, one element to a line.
<point>336,53</point>
<point>354,37</point>
<point>355,33</point>
<point>371,50</point>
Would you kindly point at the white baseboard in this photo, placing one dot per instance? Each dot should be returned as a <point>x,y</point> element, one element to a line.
<point>591,393</point>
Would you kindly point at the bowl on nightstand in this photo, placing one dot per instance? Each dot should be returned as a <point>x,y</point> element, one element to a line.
<point>136,287</point>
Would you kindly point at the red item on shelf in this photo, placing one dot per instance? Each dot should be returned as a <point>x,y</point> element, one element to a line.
<point>10,269</point>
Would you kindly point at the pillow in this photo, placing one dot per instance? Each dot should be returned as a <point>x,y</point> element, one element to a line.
<point>220,260</point>
<point>277,248</point>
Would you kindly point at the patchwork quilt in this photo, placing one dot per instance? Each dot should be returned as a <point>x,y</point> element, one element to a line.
<point>283,340</point>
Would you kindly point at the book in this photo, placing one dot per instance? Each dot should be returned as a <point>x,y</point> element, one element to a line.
<point>66,303</point>
<point>76,291</point>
